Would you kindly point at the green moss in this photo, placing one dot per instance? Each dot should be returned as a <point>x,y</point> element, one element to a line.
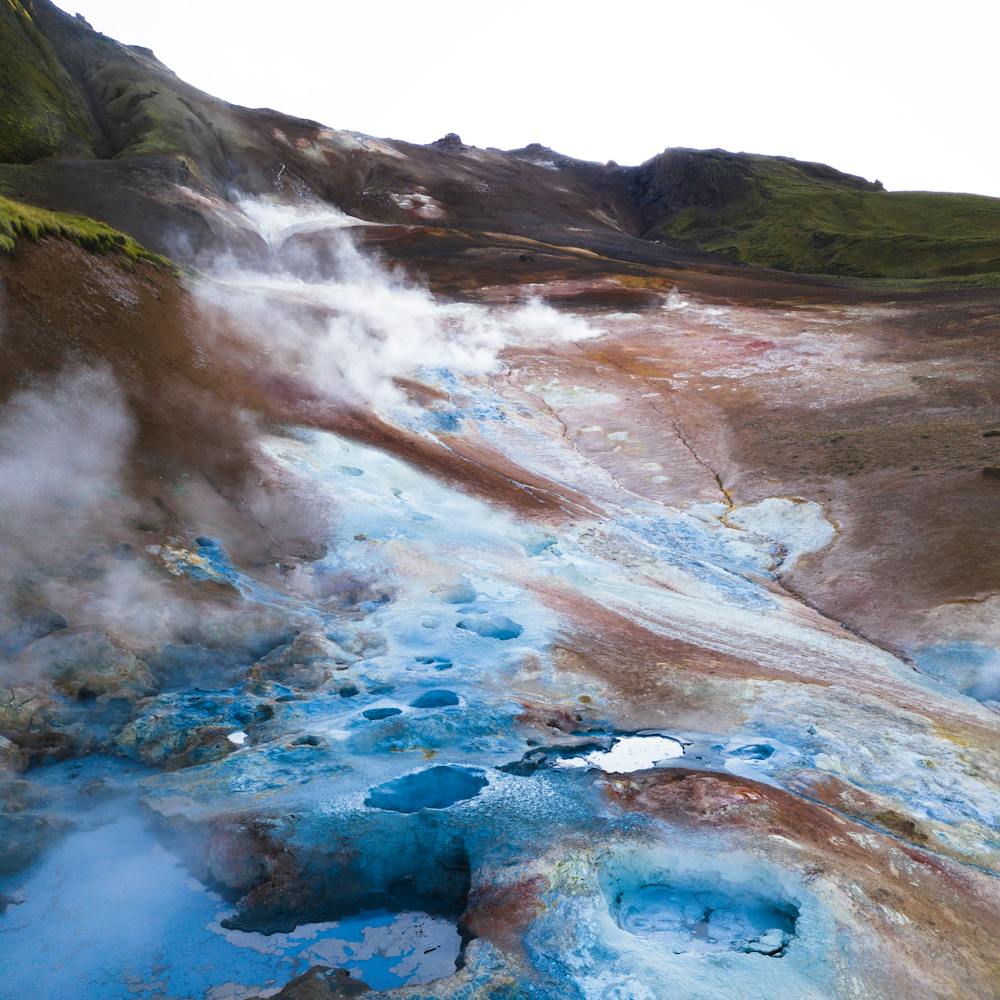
<point>150,120</point>
<point>58,79</point>
<point>41,111</point>
<point>793,218</point>
<point>20,220</point>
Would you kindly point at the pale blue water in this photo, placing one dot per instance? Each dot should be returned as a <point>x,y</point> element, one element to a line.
<point>110,914</point>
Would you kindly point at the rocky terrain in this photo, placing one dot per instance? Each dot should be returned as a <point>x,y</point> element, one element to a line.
<point>429,571</point>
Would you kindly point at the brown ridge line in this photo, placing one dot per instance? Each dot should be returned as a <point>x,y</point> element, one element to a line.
<point>769,808</point>
<point>502,482</point>
<point>599,626</point>
<point>605,624</point>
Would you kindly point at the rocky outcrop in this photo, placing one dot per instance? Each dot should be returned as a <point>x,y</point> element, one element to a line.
<point>12,757</point>
<point>322,983</point>
<point>61,694</point>
<point>308,662</point>
<point>86,664</point>
<point>189,728</point>
<point>40,725</point>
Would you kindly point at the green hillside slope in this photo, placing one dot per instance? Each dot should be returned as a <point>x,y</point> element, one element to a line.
<point>804,217</point>
<point>41,110</point>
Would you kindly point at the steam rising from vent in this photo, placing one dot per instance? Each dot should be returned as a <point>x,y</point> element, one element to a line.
<point>353,328</point>
<point>278,221</point>
<point>63,447</point>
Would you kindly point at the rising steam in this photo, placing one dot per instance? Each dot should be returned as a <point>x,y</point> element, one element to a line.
<point>63,449</point>
<point>321,310</point>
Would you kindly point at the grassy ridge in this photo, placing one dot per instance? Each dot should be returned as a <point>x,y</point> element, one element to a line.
<point>20,220</point>
<point>789,218</point>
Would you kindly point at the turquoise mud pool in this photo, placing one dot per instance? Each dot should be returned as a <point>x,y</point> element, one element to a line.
<point>401,780</point>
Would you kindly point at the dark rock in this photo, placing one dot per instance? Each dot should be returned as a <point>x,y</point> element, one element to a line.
<point>12,757</point>
<point>450,141</point>
<point>194,665</point>
<point>84,663</point>
<point>39,725</point>
<point>186,729</point>
<point>254,632</point>
<point>22,630</point>
<point>306,663</point>
<point>322,983</point>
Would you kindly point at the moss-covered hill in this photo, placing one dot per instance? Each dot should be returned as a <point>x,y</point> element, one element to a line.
<point>42,112</point>
<point>66,90</point>
<point>94,127</point>
<point>806,217</point>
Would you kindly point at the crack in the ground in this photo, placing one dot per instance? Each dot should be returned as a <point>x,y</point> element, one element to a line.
<point>726,494</point>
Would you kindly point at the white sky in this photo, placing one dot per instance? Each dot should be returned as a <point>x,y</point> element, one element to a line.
<point>906,92</point>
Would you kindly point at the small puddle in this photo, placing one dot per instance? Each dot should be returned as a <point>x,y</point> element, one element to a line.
<point>435,699</point>
<point>690,919</point>
<point>433,788</point>
<point>628,753</point>
<point>491,626</point>
<point>668,904</point>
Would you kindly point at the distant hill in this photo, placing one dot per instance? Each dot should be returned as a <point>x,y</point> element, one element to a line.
<point>796,216</point>
<point>94,127</point>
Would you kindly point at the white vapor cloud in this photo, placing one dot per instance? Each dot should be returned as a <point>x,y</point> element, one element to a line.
<point>355,328</point>
<point>63,448</point>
